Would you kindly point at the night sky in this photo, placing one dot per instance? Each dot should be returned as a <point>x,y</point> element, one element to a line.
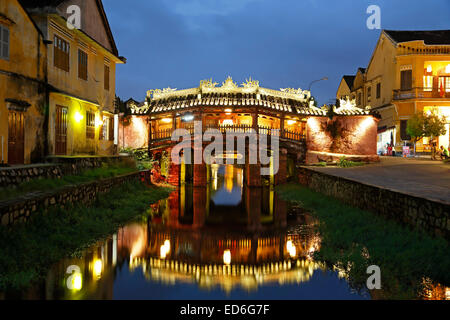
<point>281,43</point>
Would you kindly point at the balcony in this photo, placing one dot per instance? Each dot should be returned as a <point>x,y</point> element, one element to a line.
<point>286,134</point>
<point>420,93</point>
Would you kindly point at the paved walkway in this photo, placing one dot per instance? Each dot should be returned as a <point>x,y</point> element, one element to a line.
<point>421,178</point>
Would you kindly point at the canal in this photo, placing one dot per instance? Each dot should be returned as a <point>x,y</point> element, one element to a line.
<point>217,242</point>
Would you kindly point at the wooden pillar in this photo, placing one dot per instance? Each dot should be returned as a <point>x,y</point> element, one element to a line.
<point>282,126</point>
<point>281,176</point>
<point>252,171</point>
<point>199,197</point>
<point>253,205</point>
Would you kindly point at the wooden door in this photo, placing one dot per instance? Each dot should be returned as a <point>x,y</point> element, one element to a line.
<point>16,136</point>
<point>61,131</point>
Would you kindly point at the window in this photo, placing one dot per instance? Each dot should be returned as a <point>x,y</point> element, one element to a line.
<point>61,54</point>
<point>90,125</point>
<point>427,83</point>
<point>406,80</point>
<point>444,83</point>
<point>106,78</point>
<point>369,93</point>
<point>378,90</point>
<point>107,131</point>
<point>403,134</point>
<point>82,65</point>
<point>4,43</point>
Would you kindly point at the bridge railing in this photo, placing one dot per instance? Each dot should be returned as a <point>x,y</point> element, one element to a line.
<point>262,130</point>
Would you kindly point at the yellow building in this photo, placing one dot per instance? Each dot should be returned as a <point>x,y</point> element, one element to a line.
<point>345,87</point>
<point>81,67</point>
<point>22,86</point>
<point>409,72</point>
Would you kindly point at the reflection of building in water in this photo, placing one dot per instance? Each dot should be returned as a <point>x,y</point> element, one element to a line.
<point>435,291</point>
<point>212,259</point>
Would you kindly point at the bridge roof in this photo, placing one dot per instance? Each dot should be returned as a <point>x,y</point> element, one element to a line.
<point>250,96</point>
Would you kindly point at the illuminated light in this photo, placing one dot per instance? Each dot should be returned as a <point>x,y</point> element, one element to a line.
<point>227,257</point>
<point>98,122</point>
<point>167,120</point>
<point>98,266</point>
<point>447,69</point>
<point>167,245</point>
<point>227,122</point>
<point>78,116</point>
<point>188,117</point>
<point>228,111</point>
<point>77,282</point>
<point>291,122</point>
<point>292,253</point>
<point>429,68</point>
<point>163,252</point>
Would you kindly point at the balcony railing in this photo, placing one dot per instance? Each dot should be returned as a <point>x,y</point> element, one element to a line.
<point>287,134</point>
<point>420,93</point>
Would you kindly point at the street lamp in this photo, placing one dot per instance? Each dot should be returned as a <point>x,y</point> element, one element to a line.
<point>309,88</point>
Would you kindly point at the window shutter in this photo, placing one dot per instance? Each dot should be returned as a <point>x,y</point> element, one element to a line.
<point>4,42</point>
<point>111,129</point>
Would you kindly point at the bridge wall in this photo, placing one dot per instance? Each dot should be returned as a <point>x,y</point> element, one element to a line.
<point>354,137</point>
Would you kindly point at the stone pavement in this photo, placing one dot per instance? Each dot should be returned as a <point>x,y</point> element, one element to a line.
<point>421,178</point>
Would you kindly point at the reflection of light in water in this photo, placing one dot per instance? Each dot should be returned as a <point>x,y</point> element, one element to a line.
<point>226,276</point>
<point>98,267</point>
<point>229,178</point>
<point>227,257</point>
<point>77,281</point>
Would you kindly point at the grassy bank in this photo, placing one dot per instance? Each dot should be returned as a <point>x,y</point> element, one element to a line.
<point>28,250</point>
<point>89,175</point>
<point>354,239</point>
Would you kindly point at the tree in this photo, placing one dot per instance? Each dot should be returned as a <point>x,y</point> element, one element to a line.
<point>421,125</point>
<point>416,128</point>
<point>434,125</point>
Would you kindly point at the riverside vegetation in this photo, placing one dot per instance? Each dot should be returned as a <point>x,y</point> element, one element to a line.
<point>353,239</point>
<point>30,249</point>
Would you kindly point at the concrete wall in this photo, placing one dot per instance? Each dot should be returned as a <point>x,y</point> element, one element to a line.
<point>349,135</point>
<point>430,216</point>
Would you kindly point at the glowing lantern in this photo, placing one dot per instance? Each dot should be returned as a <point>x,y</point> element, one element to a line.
<point>77,282</point>
<point>98,122</point>
<point>166,120</point>
<point>98,266</point>
<point>227,257</point>
<point>228,111</point>
<point>167,245</point>
<point>163,252</point>
<point>78,116</point>
<point>291,122</point>
<point>429,68</point>
<point>447,69</point>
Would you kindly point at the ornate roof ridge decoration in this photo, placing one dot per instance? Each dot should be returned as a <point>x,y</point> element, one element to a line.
<point>229,86</point>
<point>348,107</point>
<point>141,108</point>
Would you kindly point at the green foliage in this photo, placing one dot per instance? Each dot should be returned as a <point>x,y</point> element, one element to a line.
<point>434,125</point>
<point>353,239</point>
<point>322,164</point>
<point>89,175</point>
<point>344,163</point>
<point>416,126</point>
<point>29,250</point>
<point>425,125</point>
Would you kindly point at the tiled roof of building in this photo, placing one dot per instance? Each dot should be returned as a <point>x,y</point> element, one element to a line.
<point>349,80</point>
<point>430,37</point>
